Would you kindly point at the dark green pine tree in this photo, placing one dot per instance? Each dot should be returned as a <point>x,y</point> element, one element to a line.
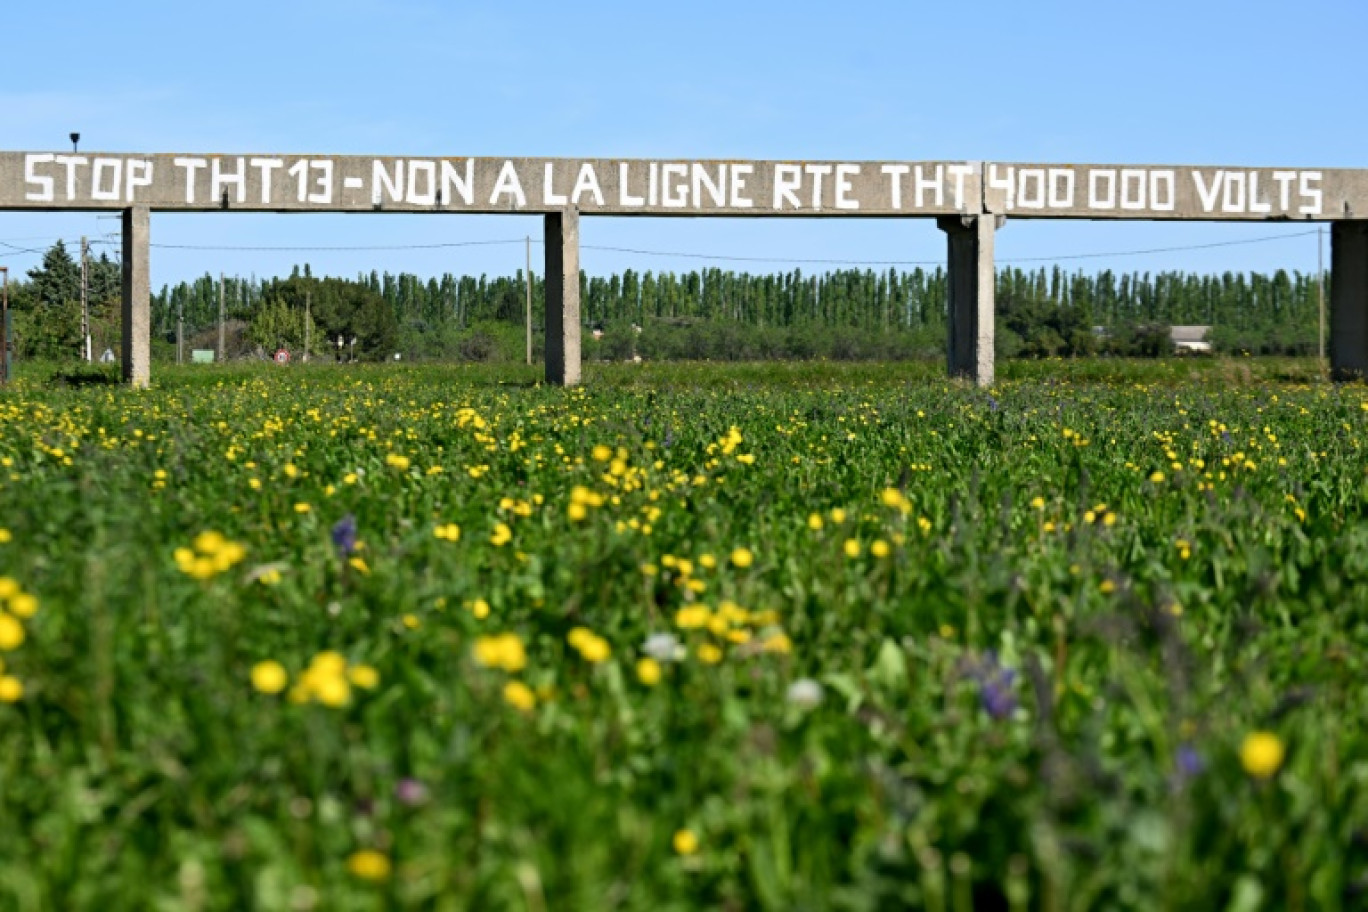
<point>53,329</point>
<point>58,280</point>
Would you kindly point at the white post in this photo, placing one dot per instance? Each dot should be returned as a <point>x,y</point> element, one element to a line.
<point>85,298</point>
<point>528,321</point>
<point>221,354</point>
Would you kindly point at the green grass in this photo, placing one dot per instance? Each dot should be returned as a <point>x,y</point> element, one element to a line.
<point>1099,579</point>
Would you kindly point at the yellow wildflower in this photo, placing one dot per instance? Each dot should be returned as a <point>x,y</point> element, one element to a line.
<point>685,842</point>
<point>369,864</point>
<point>11,633</point>
<point>648,671</point>
<point>1261,754</point>
<point>209,542</point>
<point>777,643</point>
<point>269,677</point>
<point>364,676</point>
<point>591,647</point>
<point>504,650</point>
<point>331,690</point>
<point>693,616</point>
<point>519,696</point>
<point>23,605</point>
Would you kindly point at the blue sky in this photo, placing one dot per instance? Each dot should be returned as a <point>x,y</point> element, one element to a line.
<point>1244,83</point>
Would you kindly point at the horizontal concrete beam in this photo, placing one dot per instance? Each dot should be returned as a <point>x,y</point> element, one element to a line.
<point>322,183</point>
<point>1182,192</point>
<point>294,183</point>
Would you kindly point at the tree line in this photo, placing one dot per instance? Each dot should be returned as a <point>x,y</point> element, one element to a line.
<point>1041,312</point>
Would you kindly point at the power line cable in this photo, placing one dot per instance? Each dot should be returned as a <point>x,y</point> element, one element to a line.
<point>19,251</point>
<point>342,248</point>
<point>755,259</point>
<point>636,251</point>
<point>1088,256</point>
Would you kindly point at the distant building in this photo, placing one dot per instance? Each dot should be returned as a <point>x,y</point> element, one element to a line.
<point>1190,339</point>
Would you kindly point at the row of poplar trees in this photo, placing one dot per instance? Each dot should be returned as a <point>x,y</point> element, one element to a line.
<point>1041,312</point>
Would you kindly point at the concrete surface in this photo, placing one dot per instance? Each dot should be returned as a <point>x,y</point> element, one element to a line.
<point>1349,300</point>
<point>562,298</point>
<point>970,289</point>
<point>137,306</point>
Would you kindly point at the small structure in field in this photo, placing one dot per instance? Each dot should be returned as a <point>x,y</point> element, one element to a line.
<point>1190,340</point>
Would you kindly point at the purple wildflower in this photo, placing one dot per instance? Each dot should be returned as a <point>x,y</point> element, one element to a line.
<point>998,698</point>
<point>1188,761</point>
<point>344,535</point>
<point>411,792</point>
<point>997,692</point>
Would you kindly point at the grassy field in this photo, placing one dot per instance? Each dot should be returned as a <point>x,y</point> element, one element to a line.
<point>801,636</point>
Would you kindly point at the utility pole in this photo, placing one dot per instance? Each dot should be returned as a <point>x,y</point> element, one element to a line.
<point>308,299</point>
<point>5,324</point>
<point>180,329</point>
<point>85,299</point>
<point>221,353</point>
<point>1320,290</point>
<point>529,299</point>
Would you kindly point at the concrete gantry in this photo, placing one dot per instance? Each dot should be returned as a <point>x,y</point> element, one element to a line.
<point>968,199</point>
<point>137,293</point>
<point>1349,300</point>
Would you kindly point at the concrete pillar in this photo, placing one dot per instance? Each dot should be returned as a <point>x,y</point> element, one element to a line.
<point>1349,300</point>
<point>137,315</point>
<point>970,289</point>
<point>562,298</point>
